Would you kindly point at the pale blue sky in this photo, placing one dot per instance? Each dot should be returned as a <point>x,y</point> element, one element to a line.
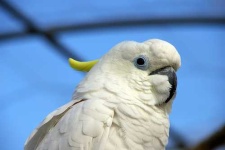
<point>35,79</point>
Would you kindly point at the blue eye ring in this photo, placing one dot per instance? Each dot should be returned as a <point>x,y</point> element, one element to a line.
<point>141,62</point>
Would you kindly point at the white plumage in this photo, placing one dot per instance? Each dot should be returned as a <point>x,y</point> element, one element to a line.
<point>119,105</point>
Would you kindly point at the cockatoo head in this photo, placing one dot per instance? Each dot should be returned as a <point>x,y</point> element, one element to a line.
<point>141,72</point>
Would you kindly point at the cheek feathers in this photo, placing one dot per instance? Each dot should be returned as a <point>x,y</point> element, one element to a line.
<point>151,89</point>
<point>160,83</point>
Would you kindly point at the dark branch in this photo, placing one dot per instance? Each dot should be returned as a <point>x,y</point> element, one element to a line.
<point>215,140</point>
<point>18,15</point>
<point>139,22</point>
<point>121,23</point>
<point>32,29</point>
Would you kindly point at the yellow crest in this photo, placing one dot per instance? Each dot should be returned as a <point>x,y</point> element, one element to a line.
<point>82,66</point>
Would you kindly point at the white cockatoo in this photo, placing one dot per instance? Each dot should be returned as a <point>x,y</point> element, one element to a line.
<point>123,103</point>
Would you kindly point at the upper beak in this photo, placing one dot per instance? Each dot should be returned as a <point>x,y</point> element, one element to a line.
<point>172,78</point>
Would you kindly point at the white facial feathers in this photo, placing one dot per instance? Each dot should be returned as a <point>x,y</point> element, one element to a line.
<point>118,72</point>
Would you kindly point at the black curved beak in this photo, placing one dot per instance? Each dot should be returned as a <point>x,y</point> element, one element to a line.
<point>172,77</point>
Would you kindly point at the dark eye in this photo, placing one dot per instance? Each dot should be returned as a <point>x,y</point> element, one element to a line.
<point>141,62</point>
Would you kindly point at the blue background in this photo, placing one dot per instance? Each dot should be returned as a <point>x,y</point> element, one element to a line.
<point>35,79</point>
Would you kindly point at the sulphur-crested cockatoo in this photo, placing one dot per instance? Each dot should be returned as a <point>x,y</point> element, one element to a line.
<point>123,103</point>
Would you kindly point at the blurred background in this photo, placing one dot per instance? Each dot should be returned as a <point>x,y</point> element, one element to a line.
<point>38,36</point>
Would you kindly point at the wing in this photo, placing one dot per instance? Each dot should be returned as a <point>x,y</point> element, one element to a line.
<point>78,125</point>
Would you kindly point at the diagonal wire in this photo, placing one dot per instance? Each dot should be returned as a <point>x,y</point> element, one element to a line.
<point>31,28</point>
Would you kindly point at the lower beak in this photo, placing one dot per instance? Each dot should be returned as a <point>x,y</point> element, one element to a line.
<point>172,78</point>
